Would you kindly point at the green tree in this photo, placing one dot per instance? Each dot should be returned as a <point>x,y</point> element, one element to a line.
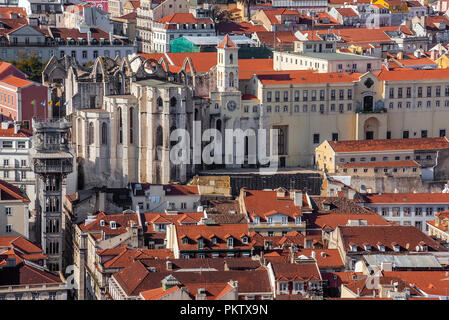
<point>32,66</point>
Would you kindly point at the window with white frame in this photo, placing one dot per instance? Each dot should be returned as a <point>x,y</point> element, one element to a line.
<point>298,286</point>
<point>283,287</point>
<point>230,242</point>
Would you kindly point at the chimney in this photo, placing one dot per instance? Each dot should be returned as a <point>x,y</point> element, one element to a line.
<point>395,285</point>
<point>16,128</point>
<point>297,198</point>
<point>169,265</point>
<point>308,243</point>
<point>433,55</point>
<point>89,37</point>
<point>313,254</point>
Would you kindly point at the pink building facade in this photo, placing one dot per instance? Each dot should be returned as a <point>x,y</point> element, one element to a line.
<point>22,100</point>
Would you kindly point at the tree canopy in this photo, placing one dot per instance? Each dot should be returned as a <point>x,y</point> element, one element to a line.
<point>32,66</point>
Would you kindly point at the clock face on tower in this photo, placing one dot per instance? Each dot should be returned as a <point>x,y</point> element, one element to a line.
<point>231,105</point>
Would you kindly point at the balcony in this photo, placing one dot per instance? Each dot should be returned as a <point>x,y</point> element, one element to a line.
<point>44,168</point>
<point>362,110</point>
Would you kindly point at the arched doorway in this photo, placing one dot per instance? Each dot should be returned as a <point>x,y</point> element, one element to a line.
<point>371,128</point>
<point>368,103</point>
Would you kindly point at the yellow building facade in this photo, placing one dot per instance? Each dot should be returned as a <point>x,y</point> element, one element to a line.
<point>310,108</point>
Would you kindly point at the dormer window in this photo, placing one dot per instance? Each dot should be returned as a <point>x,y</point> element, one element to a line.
<point>185,240</point>
<point>113,225</point>
<point>102,223</point>
<point>256,220</point>
<point>270,220</point>
<point>200,244</point>
<point>214,240</point>
<point>326,206</point>
<point>230,242</point>
<point>284,220</point>
<point>245,239</point>
<point>367,247</point>
<point>396,247</point>
<point>381,247</point>
<point>298,220</point>
<point>353,247</point>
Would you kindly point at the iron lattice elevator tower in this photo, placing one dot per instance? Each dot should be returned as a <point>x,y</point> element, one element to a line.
<point>51,161</point>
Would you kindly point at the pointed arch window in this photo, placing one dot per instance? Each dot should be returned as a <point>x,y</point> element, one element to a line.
<point>120,126</point>
<point>173,102</point>
<point>104,133</point>
<point>131,125</point>
<point>90,134</point>
<point>159,137</point>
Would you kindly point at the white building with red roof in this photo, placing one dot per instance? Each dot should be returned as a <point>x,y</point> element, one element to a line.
<point>428,153</point>
<point>408,209</point>
<point>14,211</point>
<point>158,198</point>
<point>14,158</point>
<point>275,212</point>
<point>177,25</point>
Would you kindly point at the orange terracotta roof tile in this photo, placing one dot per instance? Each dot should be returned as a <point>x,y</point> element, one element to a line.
<point>184,18</point>
<point>262,203</point>
<point>389,144</point>
<point>227,43</point>
<point>347,12</point>
<point>16,82</point>
<point>239,28</point>
<point>221,232</point>
<point>325,258</point>
<point>122,221</point>
<point>430,282</point>
<point>22,133</point>
<point>12,192</point>
<point>407,237</point>
<point>412,74</point>
<point>156,294</point>
<point>305,76</point>
<point>410,198</point>
<point>296,272</point>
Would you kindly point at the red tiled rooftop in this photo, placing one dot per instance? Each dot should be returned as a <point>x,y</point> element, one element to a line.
<point>227,43</point>
<point>407,198</point>
<point>304,77</point>
<point>184,18</point>
<point>407,237</point>
<point>239,27</point>
<point>16,82</point>
<point>389,144</point>
<point>347,12</point>
<point>262,203</point>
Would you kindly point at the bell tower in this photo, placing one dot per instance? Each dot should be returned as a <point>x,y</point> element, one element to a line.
<point>227,65</point>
